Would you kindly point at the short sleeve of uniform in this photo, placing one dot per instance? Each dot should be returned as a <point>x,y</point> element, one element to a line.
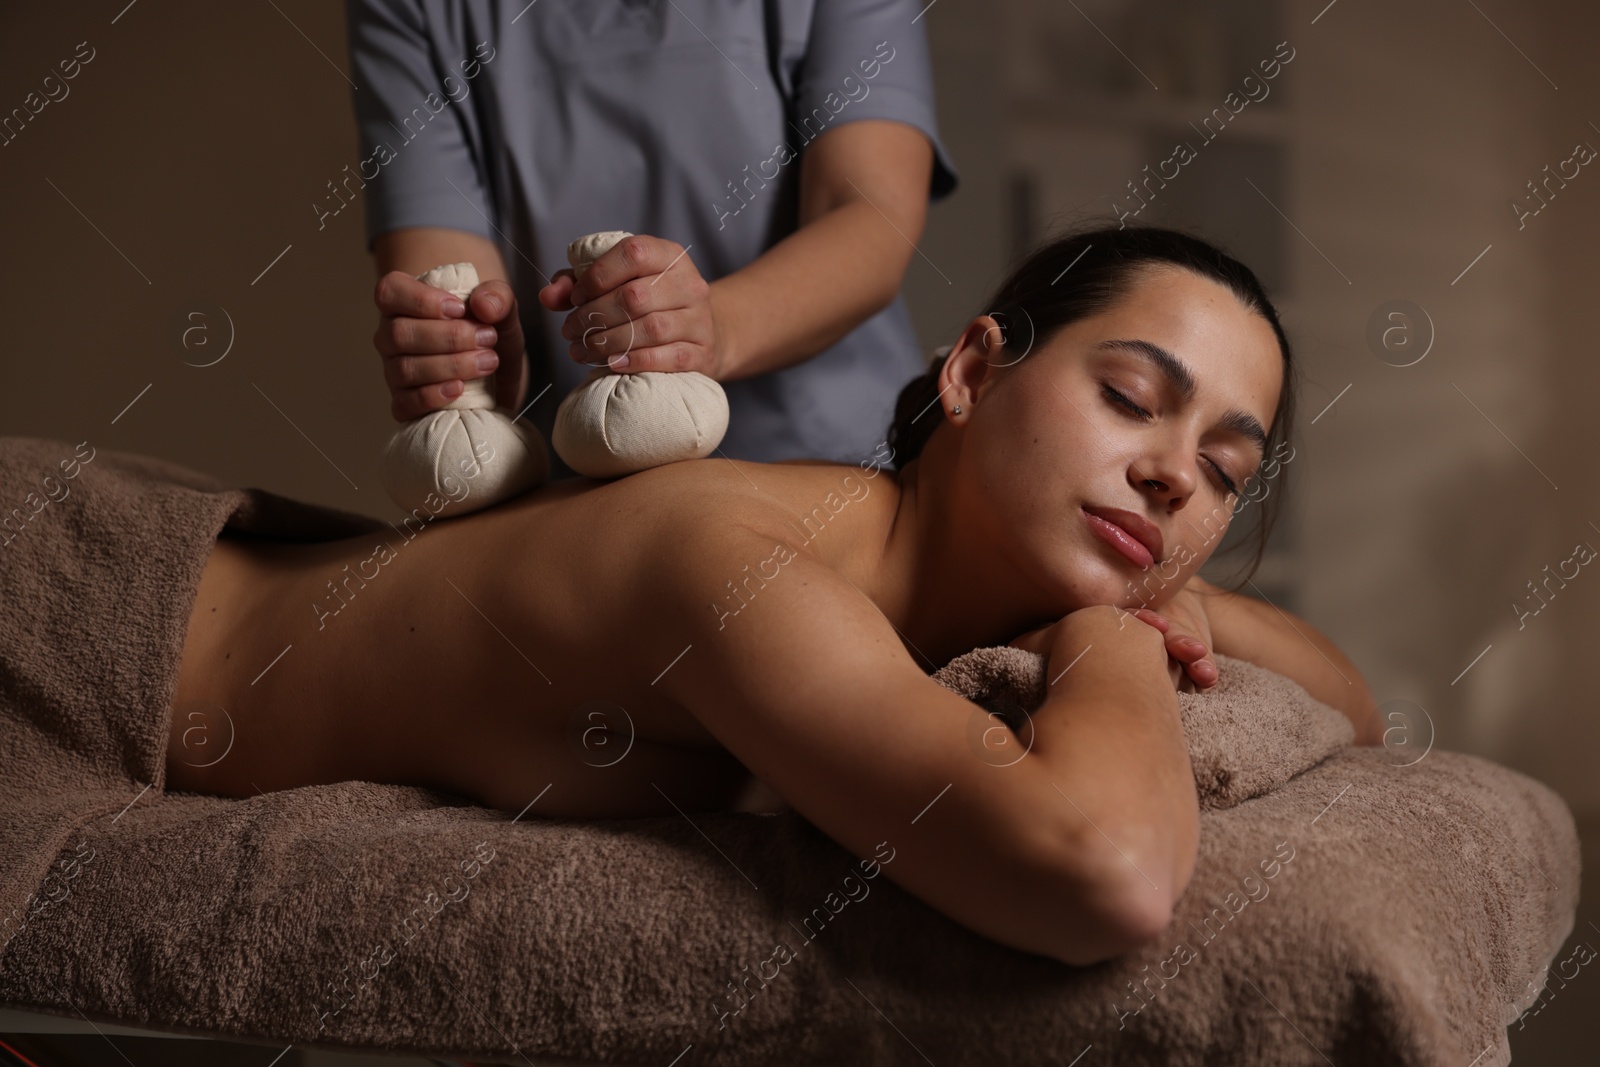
<point>429,174</point>
<point>868,59</point>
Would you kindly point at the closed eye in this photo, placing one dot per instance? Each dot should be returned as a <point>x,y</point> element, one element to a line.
<point>1142,415</point>
<point>1118,398</point>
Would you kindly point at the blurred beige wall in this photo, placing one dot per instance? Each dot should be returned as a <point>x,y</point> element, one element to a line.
<point>182,168</point>
<point>185,159</point>
<point>1434,493</point>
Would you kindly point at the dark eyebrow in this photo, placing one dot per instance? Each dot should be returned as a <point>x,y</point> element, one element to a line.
<point>1182,378</point>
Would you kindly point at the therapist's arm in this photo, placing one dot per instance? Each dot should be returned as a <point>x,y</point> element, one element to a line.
<point>428,352</point>
<point>863,203</point>
<point>863,197</point>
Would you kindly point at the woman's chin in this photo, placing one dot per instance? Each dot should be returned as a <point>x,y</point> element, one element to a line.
<point>1100,587</point>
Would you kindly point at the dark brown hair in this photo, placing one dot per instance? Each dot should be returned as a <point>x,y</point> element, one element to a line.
<point>1081,273</point>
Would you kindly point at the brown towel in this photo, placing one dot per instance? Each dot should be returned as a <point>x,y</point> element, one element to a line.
<point>1355,911</point>
<point>1250,733</point>
<point>100,557</point>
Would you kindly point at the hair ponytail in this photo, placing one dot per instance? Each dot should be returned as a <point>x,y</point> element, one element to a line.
<point>914,421</point>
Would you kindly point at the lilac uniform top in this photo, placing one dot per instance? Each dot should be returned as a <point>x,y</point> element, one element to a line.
<point>533,124</point>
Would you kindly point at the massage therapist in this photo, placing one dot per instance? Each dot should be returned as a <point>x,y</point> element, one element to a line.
<point>775,159</point>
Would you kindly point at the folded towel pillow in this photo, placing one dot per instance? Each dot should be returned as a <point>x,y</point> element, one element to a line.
<point>1248,734</point>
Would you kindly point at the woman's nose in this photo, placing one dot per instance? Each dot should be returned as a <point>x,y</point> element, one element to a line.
<point>1167,473</point>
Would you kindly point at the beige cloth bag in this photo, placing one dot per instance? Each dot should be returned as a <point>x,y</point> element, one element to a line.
<point>616,424</point>
<point>467,454</point>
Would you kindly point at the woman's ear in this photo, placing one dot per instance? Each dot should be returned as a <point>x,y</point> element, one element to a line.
<point>969,367</point>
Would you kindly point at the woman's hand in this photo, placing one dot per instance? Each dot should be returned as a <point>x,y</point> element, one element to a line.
<point>642,306</point>
<point>1045,639</point>
<point>431,343</point>
<point>1187,628</point>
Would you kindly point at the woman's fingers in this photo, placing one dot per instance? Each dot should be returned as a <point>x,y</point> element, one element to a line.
<point>1195,657</point>
<point>1190,664</point>
<point>1186,648</point>
<point>1204,673</point>
<point>1189,651</point>
<point>1160,622</point>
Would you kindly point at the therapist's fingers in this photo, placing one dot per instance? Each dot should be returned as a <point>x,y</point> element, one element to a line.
<point>671,358</point>
<point>557,296</point>
<point>676,340</point>
<point>494,302</point>
<point>664,323</point>
<point>680,288</point>
<point>417,318</point>
<point>403,336</point>
<point>637,256</point>
<point>398,293</point>
<point>602,346</point>
<point>427,347</point>
<point>420,384</point>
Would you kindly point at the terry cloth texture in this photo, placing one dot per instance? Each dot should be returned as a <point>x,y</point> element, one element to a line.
<point>1344,906</point>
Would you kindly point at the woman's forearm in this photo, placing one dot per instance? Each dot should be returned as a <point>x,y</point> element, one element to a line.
<point>1261,633</point>
<point>1110,735</point>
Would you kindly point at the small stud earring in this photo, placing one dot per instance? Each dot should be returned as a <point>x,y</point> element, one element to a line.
<point>957,410</point>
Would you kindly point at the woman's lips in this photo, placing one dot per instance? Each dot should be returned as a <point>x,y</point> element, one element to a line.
<point>1120,539</point>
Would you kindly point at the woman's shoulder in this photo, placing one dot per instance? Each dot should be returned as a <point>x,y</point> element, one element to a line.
<point>731,490</point>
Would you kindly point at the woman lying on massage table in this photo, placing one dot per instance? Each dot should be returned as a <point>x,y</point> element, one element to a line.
<point>703,635</point>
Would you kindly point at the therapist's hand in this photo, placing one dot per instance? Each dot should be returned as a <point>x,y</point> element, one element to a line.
<point>642,306</point>
<point>431,342</point>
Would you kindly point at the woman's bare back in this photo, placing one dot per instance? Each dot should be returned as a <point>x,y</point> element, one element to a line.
<point>510,655</point>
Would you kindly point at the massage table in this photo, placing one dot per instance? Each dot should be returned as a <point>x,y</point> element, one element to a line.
<point>1368,905</point>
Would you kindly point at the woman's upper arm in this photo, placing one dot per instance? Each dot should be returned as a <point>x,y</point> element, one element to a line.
<point>808,685</point>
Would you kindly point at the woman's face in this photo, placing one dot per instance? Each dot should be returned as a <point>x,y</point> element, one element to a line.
<point>1146,411</point>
